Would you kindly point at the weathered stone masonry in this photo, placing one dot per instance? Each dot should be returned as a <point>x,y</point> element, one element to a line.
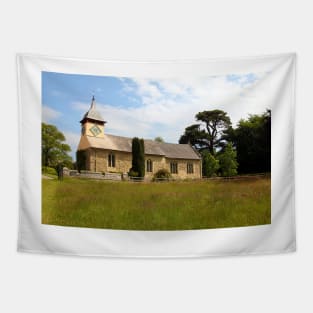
<point>108,153</point>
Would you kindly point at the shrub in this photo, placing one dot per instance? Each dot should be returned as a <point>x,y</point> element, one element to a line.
<point>162,174</point>
<point>49,170</point>
<point>132,173</point>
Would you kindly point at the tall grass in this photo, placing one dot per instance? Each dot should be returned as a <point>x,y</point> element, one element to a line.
<point>156,206</point>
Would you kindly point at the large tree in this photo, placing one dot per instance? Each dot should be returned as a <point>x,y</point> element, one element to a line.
<point>208,134</point>
<point>252,139</point>
<point>54,150</point>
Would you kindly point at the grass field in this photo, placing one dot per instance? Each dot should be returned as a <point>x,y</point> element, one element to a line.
<point>156,206</point>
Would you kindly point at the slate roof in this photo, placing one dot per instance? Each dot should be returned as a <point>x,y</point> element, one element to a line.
<point>92,113</point>
<point>124,144</point>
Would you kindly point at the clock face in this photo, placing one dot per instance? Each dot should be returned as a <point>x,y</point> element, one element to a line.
<point>95,130</point>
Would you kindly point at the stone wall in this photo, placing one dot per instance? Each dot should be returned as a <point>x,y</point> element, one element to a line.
<point>158,162</point>
<point>182,168</point>
<point>97,161</point>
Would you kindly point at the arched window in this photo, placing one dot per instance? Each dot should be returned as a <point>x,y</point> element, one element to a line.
<point>149,166</point>
<point>111,160</point>
<point>189,168</point>
<point>174,167</point>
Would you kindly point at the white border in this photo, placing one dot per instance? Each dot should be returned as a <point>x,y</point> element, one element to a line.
<point>277,237</point>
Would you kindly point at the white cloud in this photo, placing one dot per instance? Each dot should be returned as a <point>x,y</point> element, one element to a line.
<point>81,106</point>
<point>170,105</point>
<point>49,114</point>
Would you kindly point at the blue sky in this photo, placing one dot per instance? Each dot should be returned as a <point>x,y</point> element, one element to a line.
<point>60,92</point>
<point>147,107</point>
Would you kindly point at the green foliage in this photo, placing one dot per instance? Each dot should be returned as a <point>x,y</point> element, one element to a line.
<point>49,170</point>
<point>135,154</point>
<point>142,168</point>
<point>162,174</point>
<point>195,136</point>
<point>81,157</point>
<point>228,162</point>
<point>132,173</point>
<point>138,157</point>
<point>207,135</point>
<point>252,139</point>
<point>210,164</point>
<point>53,148</point>
<point>158,139</point>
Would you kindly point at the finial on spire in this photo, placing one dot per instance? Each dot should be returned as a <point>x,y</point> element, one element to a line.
<point>93,104</point>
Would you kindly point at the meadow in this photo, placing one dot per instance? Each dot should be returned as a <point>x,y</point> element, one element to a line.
<point>178,205</point>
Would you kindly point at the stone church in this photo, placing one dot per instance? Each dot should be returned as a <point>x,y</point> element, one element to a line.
<point>113,154</point>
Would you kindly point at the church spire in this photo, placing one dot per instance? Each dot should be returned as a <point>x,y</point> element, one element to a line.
<point>93,102</point>
<point>92,113</point>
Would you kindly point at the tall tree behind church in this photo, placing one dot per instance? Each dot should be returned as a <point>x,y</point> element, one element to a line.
<point>252,139</point>
<point>208,134</point>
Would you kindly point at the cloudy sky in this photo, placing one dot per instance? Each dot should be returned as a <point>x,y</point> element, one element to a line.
<point>147,107</point>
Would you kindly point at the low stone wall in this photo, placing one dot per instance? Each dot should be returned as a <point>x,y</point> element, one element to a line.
<point>94,175</point>
<point>112,176</point>
<point>89,174</point>
<point>68,172</point>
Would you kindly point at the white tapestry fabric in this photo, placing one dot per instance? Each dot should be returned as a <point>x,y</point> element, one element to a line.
<point>182,158</point>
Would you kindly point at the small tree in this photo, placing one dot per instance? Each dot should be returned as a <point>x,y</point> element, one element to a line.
<point>142,165</point>
<point>158,139</point>
<point>228,162</point>
<point>138,157</point>
<point>210,164</point>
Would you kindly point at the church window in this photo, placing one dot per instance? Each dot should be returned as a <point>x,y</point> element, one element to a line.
<point>149,166</point>
<point>174,168</point>
<point>189,168</point>
<point>111,160</point>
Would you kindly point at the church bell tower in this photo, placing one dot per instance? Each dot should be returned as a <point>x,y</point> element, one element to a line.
<point>92,124</point>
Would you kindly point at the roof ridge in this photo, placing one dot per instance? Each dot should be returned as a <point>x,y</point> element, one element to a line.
<point>105,134</point>
<point>152,140</point>
<point>167,149</point>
